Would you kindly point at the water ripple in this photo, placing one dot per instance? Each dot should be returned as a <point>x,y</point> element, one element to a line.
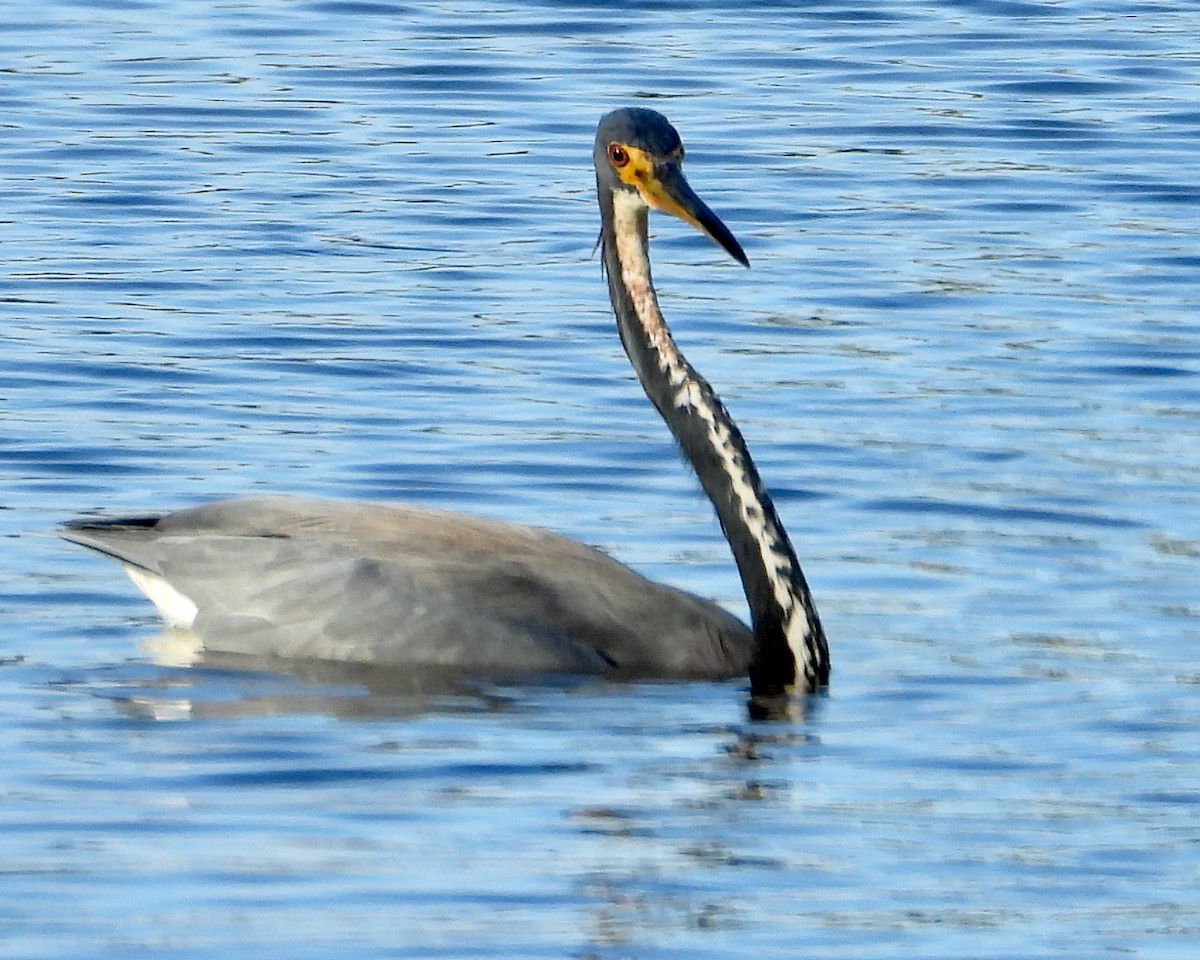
<point>346,249</point>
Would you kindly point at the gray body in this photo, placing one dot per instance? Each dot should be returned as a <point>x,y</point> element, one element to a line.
<point>401,585</point>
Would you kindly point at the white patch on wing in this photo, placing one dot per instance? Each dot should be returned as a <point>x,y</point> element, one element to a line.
<point>176,609</point>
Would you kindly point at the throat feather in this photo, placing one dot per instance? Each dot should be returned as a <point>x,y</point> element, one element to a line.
<point>710,439</point>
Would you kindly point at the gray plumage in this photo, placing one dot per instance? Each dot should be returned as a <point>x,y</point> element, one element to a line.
<point>375,583</point>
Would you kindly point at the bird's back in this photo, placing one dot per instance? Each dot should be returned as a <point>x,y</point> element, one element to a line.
<point>401,585</point>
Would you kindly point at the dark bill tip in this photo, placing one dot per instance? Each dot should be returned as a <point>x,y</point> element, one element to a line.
<point>681,200</point>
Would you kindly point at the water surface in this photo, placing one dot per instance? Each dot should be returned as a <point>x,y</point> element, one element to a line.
<point>345,249</point>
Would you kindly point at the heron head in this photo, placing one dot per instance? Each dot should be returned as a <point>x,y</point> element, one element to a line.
<point>639,152</point>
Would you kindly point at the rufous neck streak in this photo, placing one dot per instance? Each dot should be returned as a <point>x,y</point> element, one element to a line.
<point>784,619</point>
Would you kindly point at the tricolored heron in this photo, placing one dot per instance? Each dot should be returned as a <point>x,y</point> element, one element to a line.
<point>414,587</point>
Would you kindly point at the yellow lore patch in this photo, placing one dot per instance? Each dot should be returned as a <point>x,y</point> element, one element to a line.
<point>639,173</point>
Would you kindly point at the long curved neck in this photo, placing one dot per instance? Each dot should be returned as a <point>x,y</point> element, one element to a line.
<point>791,653</point>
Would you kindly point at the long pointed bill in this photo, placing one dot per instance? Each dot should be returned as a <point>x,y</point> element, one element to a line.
<point>668,190</point>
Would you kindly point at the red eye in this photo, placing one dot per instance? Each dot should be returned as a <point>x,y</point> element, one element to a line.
<point>617,155</point>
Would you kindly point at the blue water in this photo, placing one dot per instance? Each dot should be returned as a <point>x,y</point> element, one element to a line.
<point>345,249</point>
